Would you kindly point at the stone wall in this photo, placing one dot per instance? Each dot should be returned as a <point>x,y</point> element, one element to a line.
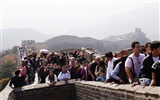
<point>64,90</point>
<point>100,91</point>
<point>90,54</point>
<point>85,90</point>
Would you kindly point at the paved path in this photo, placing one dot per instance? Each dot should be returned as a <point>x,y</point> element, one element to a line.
<point>5,92</point>
<point>35,80</point>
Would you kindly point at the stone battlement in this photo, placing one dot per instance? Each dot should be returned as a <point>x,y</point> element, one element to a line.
<point>84,90</point>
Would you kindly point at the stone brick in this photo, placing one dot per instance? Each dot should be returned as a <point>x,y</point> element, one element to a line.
<point>85,90</point>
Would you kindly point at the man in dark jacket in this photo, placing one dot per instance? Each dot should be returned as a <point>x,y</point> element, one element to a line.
<point>62,59</point>
<point>150,60</point>
<point>17,81</point>
<point>73,70</point>
<point>93,67</point>
<point>122,54</point>
<point>119,74</point>
<point>146,71</point>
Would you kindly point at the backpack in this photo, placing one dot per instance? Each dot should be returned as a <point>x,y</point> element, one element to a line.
<point>133,71</point>
<point>122,73</point>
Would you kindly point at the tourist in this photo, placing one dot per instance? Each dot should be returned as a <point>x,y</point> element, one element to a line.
<point>17,81</point>
<point>93,67</point>
<point>147,48</point>
<point>134,62</point>
<point>73,70</point>
<point>23,72</point>
<point>101,76</point>
<point>62,59</point>
<point>67,65</point>
<point>81,57</point>
<point>149,61</point>
<point>99,67</point>
<point>52,78</point>
<point>84,70</point>
<point>54,58</point>
<point>111,60</point>
<point>78,69</point>
<point>57,69</point>
<point>155,74</point>
<point>64,74</point>
<point>43,72</point>
<point>122,53</point>
<point>119,74</point>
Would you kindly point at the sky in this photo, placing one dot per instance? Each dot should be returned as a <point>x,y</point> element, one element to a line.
<point>84,18</point>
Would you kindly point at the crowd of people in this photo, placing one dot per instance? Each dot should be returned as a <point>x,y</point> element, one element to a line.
<point>142,67</point>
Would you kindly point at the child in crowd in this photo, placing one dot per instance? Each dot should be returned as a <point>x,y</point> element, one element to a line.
<point>102,76</point>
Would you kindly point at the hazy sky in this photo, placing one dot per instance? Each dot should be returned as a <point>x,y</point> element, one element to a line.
<point>82,17</point>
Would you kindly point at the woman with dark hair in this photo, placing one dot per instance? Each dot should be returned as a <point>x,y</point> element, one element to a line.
<point>43,72</point>
<point>23,72</point>
<point>52,78</point>
<point>99,67</point>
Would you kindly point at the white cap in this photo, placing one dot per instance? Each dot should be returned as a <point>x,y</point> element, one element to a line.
<point>97,57</point>
<point>72,58</point>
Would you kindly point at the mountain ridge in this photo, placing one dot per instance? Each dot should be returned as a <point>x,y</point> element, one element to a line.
<point>66,41</point>
<point>111,43</point>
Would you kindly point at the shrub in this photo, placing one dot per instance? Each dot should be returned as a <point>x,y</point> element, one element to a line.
<point>3,83</point>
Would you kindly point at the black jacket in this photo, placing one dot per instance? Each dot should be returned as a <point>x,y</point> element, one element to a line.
<point>16,81</point>
<point>147,65</point>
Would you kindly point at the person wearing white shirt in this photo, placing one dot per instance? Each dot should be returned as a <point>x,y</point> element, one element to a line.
<point>51,78</point>
<point>134,62</point>
<point>111,60</point>
<point>64,74</point>
<point>116,71</point>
